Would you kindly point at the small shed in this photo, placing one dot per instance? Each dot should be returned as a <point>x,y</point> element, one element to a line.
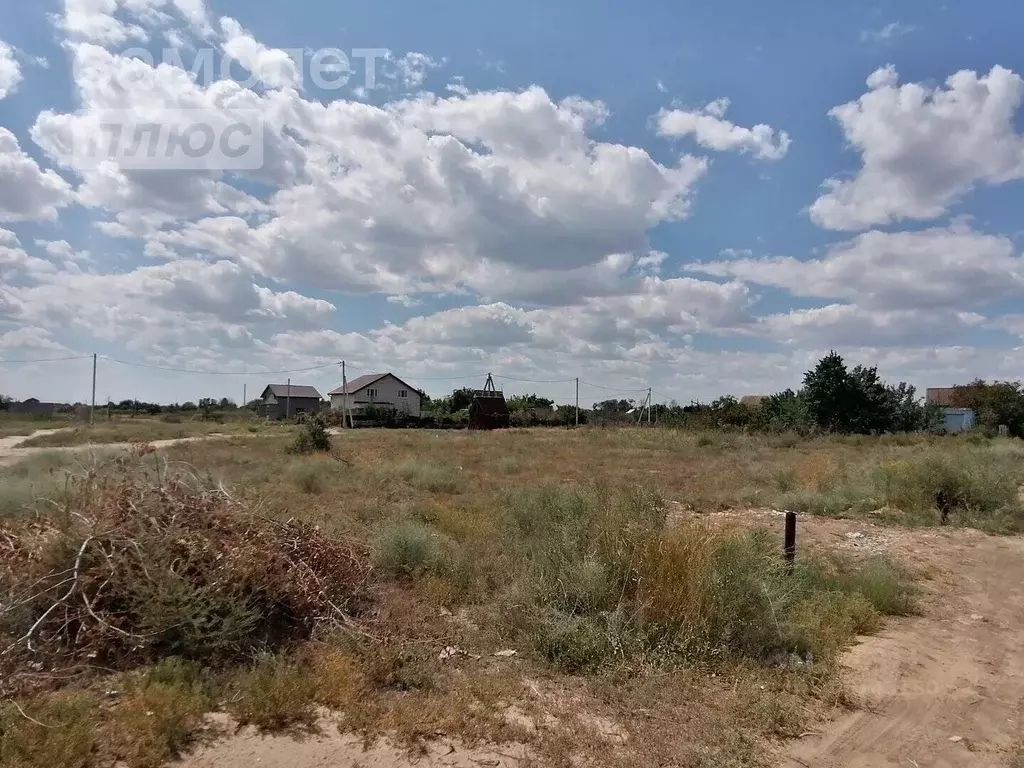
<point>957,419</point>
<point>489,410</point>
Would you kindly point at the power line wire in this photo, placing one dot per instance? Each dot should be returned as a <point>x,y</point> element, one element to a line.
<point>219,373</point>
<point>612,389</point>
<point>47,360</point>
<point>426,378</point>
<point>503,377</point>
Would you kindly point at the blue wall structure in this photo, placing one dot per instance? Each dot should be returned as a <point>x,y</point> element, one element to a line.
<point>957,419</point>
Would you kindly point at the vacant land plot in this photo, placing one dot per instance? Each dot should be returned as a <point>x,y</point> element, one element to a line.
<point>143,430</point>
<point>614,597</point>
<point>16,426</point>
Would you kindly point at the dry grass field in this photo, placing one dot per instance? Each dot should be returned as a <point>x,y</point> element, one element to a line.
<point>174,596</point>
<point>125,430</point>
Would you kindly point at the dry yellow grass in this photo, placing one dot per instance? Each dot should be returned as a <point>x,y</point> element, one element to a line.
<point>551,542</point>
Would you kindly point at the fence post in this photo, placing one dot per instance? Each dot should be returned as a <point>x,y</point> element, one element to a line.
<point>790,544</point>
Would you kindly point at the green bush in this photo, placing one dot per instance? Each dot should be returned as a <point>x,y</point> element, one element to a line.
<point>883,584</point>
<point>313,436</point>
<point>273,694</point>
<point>406,548</point>
<point>574,644</point>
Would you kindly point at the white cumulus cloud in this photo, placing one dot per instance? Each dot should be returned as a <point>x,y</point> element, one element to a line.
<point>27,193</point>
<point>10,71</point>
<point>115,22</point>
<point>710,129</point>
<point>274,67</point>
<point>951,267</point>
<point>923,148</point>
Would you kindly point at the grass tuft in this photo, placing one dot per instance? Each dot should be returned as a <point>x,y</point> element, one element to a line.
<point>430,476</point>
<point>275,693</point>
<point>312,476</point>
<point>406,548</point>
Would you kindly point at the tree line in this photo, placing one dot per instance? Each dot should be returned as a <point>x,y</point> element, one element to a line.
<point>833,398</point>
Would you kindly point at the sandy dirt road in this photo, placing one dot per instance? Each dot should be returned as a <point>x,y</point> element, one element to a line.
<point>942,690</point>
<point>11,453</point>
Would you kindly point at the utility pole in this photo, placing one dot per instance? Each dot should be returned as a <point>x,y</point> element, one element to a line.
<point>245,395</point>
<point>288,401</point>
<point>344,403</point>
<point>650,401</point>
<point>577,401</point>
<point>92,410</point>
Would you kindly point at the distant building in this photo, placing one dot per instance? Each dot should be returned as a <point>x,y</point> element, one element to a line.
<point>753,401</point>
<point>942,397</point>
<point>957,419</point>
<point>282,401</point>
<point>382,390</point>
<point>954,419</point>
<point>32,407</point>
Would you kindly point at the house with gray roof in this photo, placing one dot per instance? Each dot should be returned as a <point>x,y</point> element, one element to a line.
<point>384,390</point>
<point>283,401</point>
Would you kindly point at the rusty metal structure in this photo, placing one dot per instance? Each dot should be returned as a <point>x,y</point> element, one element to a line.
<point>489,410</point>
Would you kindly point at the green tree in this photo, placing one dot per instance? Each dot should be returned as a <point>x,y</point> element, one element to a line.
<point>461,399</point>
<point>528,402</point>
<point>783,412</point>
<point>872,405</point>
<point>830,395</point>
<point>995,404</point>
<point>908,414</point>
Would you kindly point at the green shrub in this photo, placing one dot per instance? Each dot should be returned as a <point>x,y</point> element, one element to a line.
<point>156,719</point>
<point>405,548</point>
<point>585,588</point>
<point>313,436</point>
<point>574,644</point>
<point>273,694</point>
<point>883,584</point>
<point>64,733</point>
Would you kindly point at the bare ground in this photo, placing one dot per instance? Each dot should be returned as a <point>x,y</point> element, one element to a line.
<point>334,749</point>
<point>944,689</point>
<point>11,452</point>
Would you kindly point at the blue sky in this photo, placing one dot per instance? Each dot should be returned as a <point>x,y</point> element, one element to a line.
<point>696,198</point>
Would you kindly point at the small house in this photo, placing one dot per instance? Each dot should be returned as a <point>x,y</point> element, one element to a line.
<point>282,401</point>
<point>380,390</point>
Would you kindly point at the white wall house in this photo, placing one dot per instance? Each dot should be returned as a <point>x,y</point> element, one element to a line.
<point>378,389</point>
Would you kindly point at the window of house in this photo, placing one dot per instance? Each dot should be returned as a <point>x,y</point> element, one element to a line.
<point>371,392</point>
<point>403,393</point>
